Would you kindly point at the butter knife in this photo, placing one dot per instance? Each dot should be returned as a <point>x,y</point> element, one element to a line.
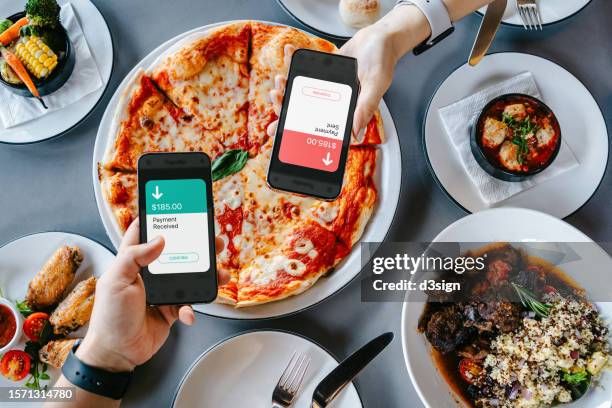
<point>488,28</point>
<point>342,375</point>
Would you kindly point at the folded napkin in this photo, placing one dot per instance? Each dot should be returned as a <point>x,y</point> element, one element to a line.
<point>85,79</point>
<point>458,119</point>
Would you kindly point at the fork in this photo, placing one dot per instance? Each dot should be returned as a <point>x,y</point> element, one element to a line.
<point>530,14</point>
<point>290,381</point>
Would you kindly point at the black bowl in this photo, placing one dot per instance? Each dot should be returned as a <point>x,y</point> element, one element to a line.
<point>492,168</point>
<point>59,76</point>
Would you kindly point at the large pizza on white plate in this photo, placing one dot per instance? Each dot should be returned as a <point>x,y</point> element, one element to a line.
<point>211,95</point>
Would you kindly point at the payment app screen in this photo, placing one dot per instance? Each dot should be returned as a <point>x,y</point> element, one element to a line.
<point>315,123</point>
<point>177,210</point>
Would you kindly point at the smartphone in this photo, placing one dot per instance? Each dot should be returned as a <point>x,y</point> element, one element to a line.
<point>315,123</point>
<point>175,202</point>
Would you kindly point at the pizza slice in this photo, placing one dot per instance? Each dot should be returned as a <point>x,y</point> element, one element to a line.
<point>209,78</point>
<point>306,253</point>
<point>146,121</point>
<point>120,191</point>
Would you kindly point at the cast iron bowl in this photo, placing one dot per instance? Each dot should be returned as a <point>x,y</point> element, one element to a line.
<point>58,77</point>
<point>492,168</point>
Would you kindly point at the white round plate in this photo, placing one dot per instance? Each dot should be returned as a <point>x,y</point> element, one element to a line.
<point>21,259</point>
<point>552,11</point>
<point>61,121</point>
<point>389,170</point>
<point>323,17</point>
<point>581,120</point>
<point>242,371</point>
<point>501,225</point>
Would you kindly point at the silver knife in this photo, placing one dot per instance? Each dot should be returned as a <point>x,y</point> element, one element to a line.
<point>488,28</point>
<point>342,375</point>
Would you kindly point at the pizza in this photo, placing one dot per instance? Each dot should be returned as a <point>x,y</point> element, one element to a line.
<point>212,95</point>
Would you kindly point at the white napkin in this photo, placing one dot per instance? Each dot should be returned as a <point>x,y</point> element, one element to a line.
<point>458,119</point>
<point>85,79</point>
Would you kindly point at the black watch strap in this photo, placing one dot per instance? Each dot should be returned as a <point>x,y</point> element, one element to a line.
<point>419,49</point>
<point>95,380</point>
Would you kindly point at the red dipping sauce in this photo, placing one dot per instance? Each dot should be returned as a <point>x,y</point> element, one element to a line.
<point>8,325</point>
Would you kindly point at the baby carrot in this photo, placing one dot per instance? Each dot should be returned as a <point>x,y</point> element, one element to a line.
<point>21,72</point>
<point>12,32</point>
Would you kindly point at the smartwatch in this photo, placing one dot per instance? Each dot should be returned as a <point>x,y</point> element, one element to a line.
<point>439,20</point>
<point>95,380</point>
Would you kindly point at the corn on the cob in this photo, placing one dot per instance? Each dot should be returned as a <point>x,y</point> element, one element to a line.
<point>36,56</point>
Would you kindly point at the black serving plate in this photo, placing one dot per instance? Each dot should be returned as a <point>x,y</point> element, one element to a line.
<point>493,169</point>
<point>59,76</point>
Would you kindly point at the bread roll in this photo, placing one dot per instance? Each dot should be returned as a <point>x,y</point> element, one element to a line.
<point>359,13</point>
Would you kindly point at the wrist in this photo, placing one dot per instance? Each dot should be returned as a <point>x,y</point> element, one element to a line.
<point>405,27</point>
<point>93,353</point>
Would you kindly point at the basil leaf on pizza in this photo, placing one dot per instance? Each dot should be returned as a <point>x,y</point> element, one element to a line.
<point>229,163</point>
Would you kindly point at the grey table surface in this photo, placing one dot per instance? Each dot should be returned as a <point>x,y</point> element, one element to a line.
<point>47,186</point>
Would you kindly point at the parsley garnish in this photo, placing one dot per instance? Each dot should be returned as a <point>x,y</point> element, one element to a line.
<point>521,130</point>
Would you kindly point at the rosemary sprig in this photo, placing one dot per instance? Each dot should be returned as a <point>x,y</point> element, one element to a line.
<point>529,300</point>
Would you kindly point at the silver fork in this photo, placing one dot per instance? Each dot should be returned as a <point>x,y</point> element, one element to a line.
<point>530,14</point>
<point>290,381</point>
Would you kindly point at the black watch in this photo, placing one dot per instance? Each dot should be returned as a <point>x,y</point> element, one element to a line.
<point>95,380</point>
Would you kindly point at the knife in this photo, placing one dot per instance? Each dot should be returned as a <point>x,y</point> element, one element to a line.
<point>342,375</point>
<point>488,28</point>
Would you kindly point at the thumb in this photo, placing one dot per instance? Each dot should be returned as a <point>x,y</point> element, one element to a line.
<point>132,258</point>
<point>367,103</point>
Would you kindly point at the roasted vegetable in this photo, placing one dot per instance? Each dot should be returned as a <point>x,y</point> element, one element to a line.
<point>21,72</point>
<point>8,74</point>
<point>43,13</point>
<point>37,56</point>
<point>5,25</point>
<point>12,33</point>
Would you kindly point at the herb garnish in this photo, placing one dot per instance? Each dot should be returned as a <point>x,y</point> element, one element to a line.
<point>529,300</point>
<point>229,163</point>
<point>521,129</point>
<point>38,369</point>
<point>24,308</point>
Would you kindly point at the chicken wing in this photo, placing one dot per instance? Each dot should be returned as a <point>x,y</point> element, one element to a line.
<point>51,281</point>
<point>55,352</point>
<point>75,310</point>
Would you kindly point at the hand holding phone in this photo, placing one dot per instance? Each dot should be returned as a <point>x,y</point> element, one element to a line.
<point>314,127</point>
<point>175,202</point>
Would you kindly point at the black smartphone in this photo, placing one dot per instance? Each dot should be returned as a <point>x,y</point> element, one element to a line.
<point>175,201</point>
<point>314,128</point>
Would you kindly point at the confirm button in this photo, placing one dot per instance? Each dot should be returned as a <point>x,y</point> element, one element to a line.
<point>187,257</point>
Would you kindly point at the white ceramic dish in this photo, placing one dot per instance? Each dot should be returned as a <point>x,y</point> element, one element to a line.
<point>61,121</point>
<point>580,118</point>
<point>552,11</point>
<point>251,365</point>
<point>18,325</point>
<point>323,16</point>
<point>21,259</point>
<point>506,225</point>
<point>389,169</point>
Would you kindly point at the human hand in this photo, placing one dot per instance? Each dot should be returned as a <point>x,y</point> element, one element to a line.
<point>124,331</point>
<point>276,94</point>
<point>376,60</point>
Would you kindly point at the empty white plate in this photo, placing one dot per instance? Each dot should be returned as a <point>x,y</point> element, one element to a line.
<point>551,11</point>
<point>243,370</point>
<point>582,125</point>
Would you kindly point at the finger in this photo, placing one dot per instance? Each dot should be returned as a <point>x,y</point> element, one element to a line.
<point>168,313</point>
<point>132,235</point>
<point>271,129</point>
<point>276,97</point>
<point>280,83</point>
<point>368,101</point>
<point>289,50</point>
<point>223,277</point>
<point>132,258</point>
<point>186,315</point>
<point>219,245</point>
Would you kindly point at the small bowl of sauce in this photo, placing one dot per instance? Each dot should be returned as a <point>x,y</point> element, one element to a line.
<point>10,325</point>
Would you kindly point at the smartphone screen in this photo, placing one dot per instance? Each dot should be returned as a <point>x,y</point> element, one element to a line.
<point>175,202</point>
<point>314,129</point>
<point>177,210</point>
<point>315,123</point>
